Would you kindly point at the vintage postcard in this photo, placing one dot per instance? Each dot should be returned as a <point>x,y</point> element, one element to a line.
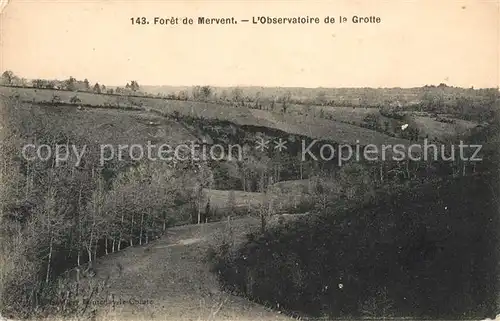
<point>249,160</point>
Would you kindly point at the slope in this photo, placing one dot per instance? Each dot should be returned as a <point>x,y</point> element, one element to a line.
<point>428,252</point>
<point>170,279</point>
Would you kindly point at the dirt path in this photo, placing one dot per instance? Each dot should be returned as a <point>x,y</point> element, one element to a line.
<point>169,279</point>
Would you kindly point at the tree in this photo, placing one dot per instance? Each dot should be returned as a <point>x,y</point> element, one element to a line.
<point>94,222</point>
<point>433,100</point>
<point>284,106</point>
<point>56,98</point>
<point>75,99</point>
<point>386,126</point>
<point>183,95</point>
<point>196,93</point>
<point>273,105</point>
<point>50,84</point>
<point>7,77</point>
<point>356,182</point>
<point>70,84</point>
<point>285,101</point>
<point>231,201</point>
<point>267,208</point>
<point>206,91</point>
<point>86,84</point>
<point>37,83</point>
<point>97,88</point>
<point>372,121</point>
<point>201,93</point>
<point>236,94</point>
<point>134,86</point>
<point>23,82</point>
<point>223,95</point>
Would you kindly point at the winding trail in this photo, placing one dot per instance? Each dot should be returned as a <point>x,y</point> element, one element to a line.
<point>170,279</point>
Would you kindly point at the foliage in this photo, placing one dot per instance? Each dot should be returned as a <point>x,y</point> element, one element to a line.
<point>54,218</point>
<point>387,258</point>
<point>7,77</point>
<point>97,88</point>
<point>70,84</point>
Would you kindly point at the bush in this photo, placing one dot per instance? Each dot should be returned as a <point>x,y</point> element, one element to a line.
<point>223,244</point>
<point>75,99</point>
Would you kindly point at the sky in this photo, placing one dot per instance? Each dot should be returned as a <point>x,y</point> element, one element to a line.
<point>417,43</point>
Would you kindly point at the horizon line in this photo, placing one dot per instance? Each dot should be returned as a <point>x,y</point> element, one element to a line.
<point>260,86</point>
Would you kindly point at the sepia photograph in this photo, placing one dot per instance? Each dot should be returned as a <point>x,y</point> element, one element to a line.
<point>249,160</point>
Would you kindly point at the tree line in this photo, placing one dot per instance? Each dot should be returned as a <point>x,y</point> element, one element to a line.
<point>470,104</point>
<point>8,78</point>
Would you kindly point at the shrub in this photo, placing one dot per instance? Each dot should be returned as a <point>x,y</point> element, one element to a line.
<point>75,99</point>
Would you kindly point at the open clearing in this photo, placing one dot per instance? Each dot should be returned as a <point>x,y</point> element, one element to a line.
<point>355,115</point>
<point>324,129</point>
<point>286,196</point>
<point>437,129</point>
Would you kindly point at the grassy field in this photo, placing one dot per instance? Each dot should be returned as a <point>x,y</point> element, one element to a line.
<point>295,187</point>
<point>426,123</point>
<point>325,129</point>
<point>286,197</point>
<point>436,129</point>
<point>220,200</point>
<point>101,126</point>
<point>344,114</point>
